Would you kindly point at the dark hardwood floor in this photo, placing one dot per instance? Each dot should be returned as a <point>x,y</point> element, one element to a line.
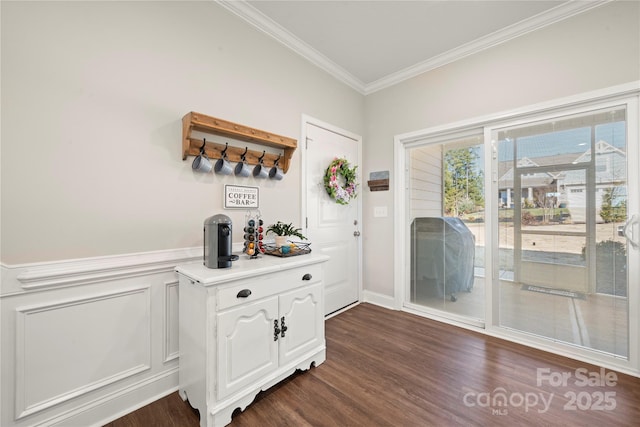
<point>389,368</point>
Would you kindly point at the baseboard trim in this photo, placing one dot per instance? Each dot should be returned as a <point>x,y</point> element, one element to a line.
<point>114,405</point>
<point>381,300</point>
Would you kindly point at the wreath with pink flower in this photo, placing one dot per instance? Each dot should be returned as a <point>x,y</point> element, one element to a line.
<point>340,181</point>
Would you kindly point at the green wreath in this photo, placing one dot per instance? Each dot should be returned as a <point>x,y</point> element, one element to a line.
<point>342,194</point>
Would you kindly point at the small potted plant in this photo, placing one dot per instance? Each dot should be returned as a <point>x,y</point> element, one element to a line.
<point>282,231</point>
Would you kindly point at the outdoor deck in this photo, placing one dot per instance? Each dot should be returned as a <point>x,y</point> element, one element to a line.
<point>596,321</point>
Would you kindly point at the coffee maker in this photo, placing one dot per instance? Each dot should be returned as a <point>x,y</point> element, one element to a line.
<point>217,242</point>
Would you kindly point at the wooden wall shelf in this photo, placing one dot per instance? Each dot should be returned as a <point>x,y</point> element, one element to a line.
<point>378,184</point>
<point>203,123</point>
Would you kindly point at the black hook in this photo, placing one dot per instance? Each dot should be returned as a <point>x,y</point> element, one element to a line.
<point>223,154</point>
<point>261,157</point>
<point>242,156</point>
<point>277,160</point>
<point>204,143</point>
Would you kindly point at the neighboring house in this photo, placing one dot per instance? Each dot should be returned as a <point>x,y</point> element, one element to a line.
<point>533,182</point>
<point>611,172</point>
<point>569,186</point>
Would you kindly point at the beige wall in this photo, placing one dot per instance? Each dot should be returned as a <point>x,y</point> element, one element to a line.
<point>92,98</point>
<point>594,50</point>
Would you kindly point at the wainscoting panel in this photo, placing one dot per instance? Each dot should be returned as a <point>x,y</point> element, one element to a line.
<point>171,347</point>
<point>73,347</point>
<point>87,341</point>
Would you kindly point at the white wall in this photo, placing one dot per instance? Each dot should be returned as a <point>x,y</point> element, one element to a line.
<point>594,50</point>
<point>92,99</point>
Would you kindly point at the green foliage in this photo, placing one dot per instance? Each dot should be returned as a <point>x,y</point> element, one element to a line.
<point>339,170</point>
<point>463,182</point>
<point>608,247</point>
<point>610,212</point>
<point>282,229</point>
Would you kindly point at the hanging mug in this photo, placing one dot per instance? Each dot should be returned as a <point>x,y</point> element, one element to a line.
<point>276,173</point>
<point>242,168</point>
<point>223,166</point>
<point>260,171</point>
<point>202,163</point>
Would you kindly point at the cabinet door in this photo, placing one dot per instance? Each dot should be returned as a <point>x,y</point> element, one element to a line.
<point>303,314</point>
<point>247,350</point>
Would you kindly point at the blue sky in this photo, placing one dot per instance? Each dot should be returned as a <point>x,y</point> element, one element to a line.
<point>563,142</point>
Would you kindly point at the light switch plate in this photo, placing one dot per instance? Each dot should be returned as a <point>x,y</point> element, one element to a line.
<point>379,211</point>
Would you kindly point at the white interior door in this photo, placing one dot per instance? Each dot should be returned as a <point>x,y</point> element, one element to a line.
<point>332,228</point>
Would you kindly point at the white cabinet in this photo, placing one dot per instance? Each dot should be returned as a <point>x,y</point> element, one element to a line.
<point>246,328</point>
<point>246,348</point>
<point>301,307</point>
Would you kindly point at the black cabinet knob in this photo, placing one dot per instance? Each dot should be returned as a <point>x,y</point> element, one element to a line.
<point>306,277</point>
<point>276,330</point>
<point>244,293</point>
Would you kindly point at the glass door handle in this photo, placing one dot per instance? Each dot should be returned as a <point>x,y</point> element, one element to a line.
<point>628,231</point>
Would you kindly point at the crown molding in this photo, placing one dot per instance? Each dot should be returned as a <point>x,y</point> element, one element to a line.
<point>268,26</point>
<point>551,16</point>
<point>265,24</point>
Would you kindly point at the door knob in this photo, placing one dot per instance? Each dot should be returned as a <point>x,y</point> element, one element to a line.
<point>356,233</point>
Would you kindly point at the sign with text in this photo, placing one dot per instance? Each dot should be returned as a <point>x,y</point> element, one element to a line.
<point>239,196</point>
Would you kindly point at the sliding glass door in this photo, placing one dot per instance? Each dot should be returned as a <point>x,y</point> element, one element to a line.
<point>446,208</point>
<point>528,225</point>
<point>562,197</point>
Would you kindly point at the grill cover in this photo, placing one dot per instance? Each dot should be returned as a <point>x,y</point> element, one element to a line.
<point>442,257</point>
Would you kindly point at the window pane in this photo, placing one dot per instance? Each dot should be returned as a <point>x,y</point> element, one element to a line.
<point>562,200</point>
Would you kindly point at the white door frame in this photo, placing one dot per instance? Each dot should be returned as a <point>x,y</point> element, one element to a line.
<point>401,243</point>
<point>306,119</point>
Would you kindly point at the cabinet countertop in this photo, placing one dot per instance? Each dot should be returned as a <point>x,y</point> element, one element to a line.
<point>245,267</point>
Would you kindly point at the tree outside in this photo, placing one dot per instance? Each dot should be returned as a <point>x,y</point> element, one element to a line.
<point>546,199</point>
<point>463,182</point>
<point>610,210</point>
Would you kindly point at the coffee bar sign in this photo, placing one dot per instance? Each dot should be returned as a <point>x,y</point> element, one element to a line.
<point>239,196</point>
